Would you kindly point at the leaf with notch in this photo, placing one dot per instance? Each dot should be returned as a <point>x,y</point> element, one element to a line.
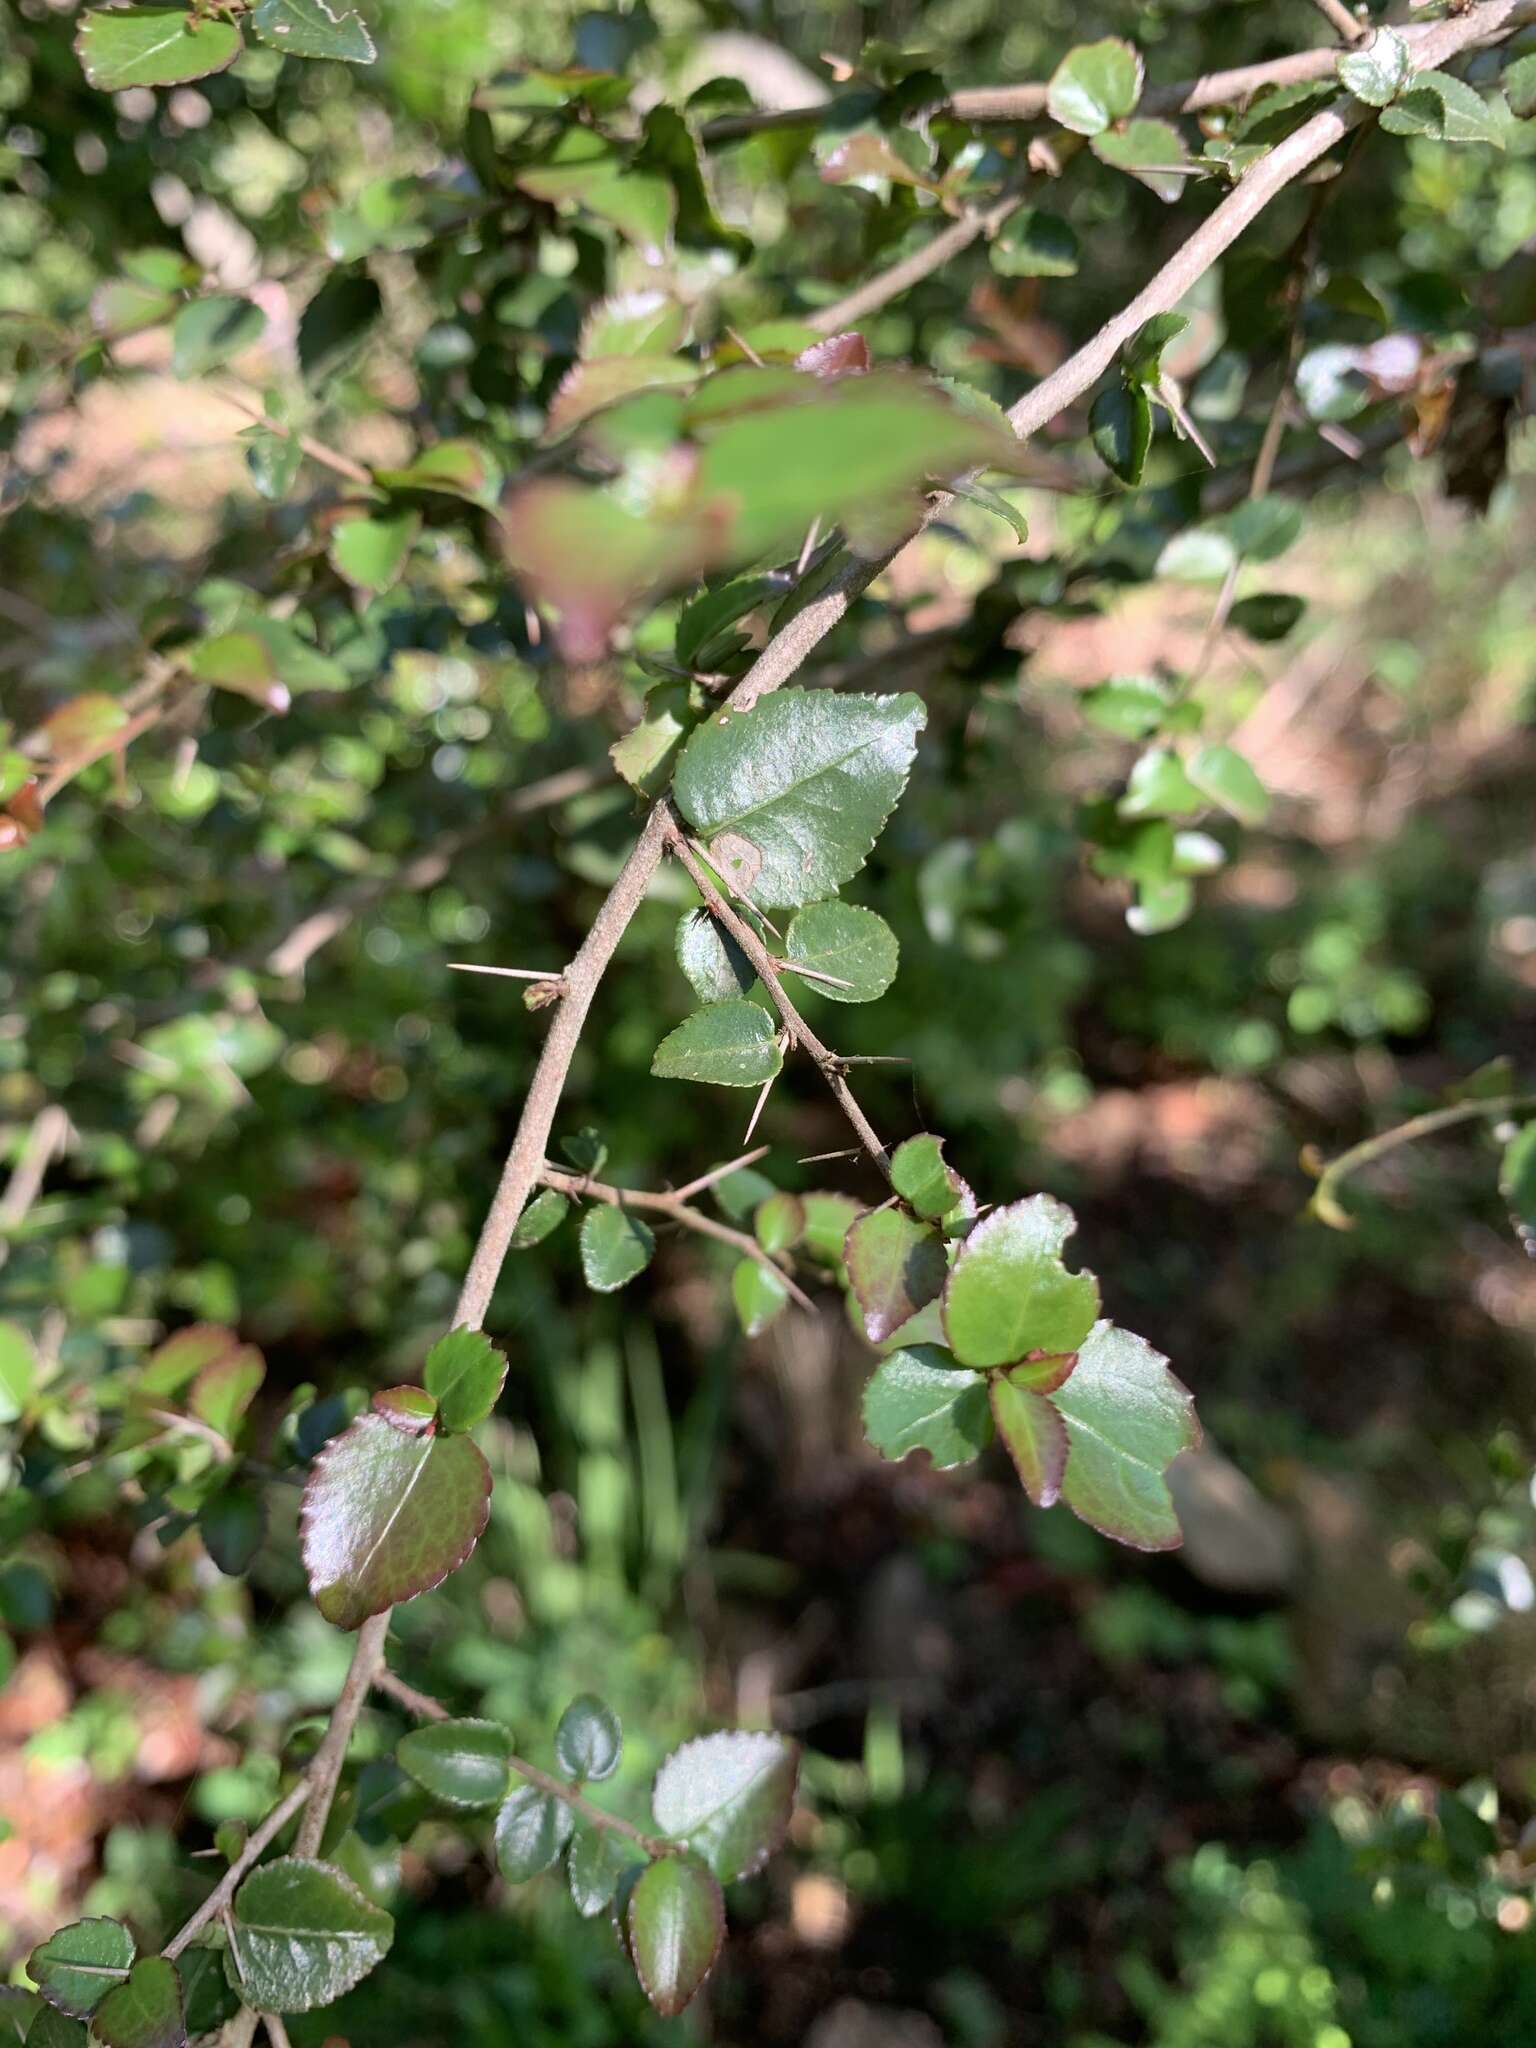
<point>1009,1293</point>
<point>1094,85</point>
<point>919,1400</point>
<point>465,1373</point>
<point>123,46</point>
<point>1378,73</point>
<point>1127,1418</point>
<point>792,794</point>
<point>301,1934</point>
<point>924,1179</point>
<point>308,28</point>
<point>733,1044</point>
<point>895,1264</point>
<point>387,1516</point>
<point>675,1923</point>
<point>728,1797</point>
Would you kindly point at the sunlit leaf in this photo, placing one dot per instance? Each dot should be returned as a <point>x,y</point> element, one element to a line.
<point>1035,1435</point>
<point>76,1968</point>
<point>302,1933</point>
<point>464,1372</point>
<point>1095,84</point>
<point>1377,73</point>
<point>853,946</point>
<point>1127,1418</point>
<point>758,1296</point>
<point>715,965</point>
<point>308,28</point>
<point>728,1797</point>
<point>895,1264</point>
<point>207,332</point>
<point>1009,1294</point>
<point>733,1044</point>
<point>917,1400</point>
<point>123,46</point>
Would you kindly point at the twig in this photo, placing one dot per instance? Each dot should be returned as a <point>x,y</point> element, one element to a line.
<point>114,742</point>
<point>277,2033</point>
<point>428,1709</point>
<point>1325,1204</point>
<point>48,1135</point>
<point>677,1210</point>
<point>219,1898</point>
<point>1348,24</point>
<point>317,451</point>
<point>719,1173</point>
<point>325,1770</point>
<point>799,1031</point>
<point>911,270</point>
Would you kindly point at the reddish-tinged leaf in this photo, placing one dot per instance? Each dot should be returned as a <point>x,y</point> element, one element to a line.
<point>1042,1372</point>
<point>411,1410</point>
<point>84,722</point>
<point>676,1923</point>
<point>387,1516</point>
<point>223,1391</point>
<point>24,807</point>
<point>840,355</point>
<point>895,1264</point>
<point>1035,1435</point>
<point>728,1797</point>
<point>1127,1418</point>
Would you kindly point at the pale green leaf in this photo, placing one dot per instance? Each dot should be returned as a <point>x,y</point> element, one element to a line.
<point>615,1246</point>
<point>728,1797</point>
<point>1095,84</point>
<point>123,46</point>
<point>1377,73</point>
<point>308,28</point>
<point>1127,1418</point>
<point>1009,1294</point>
<point>918,1401</point>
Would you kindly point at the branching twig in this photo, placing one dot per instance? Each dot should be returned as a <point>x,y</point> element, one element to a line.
<point>1348,24</point>
<point>1325,1204</point>
<point>900,277</point>
<point>428,1709</point>
<point>330,458</point>
<point>219,1898</point>
<point>799,1031</point>
<point>672,1206</point>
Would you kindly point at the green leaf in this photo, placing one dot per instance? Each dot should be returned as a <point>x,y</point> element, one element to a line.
<point>615,1246</point>
<point>225,1389</point>
<point>792,794</point>
<point>273,461</point>
<point>308,28</point>
<point>1200,554</point>
<point>207,332</point>
<point>453,469</point>
<point>1034,243</point>
<point>302,1934</point>
<point>1131,707</point>
<point>1268,614</point>
<point>1143,353</point>
<point>266,659</point>
<point>1120,427</point>
<point>182,1357</point>
<point>1127,1418</point>
<point>1222,774</point>
<point>531,1830</point>
<point>1263,528</point>
<point>465,1372</point>
<point>1444,108</point>
<point>544,1214</point>
<point>144,2012</point>
<point>645,754</point>
<point>1152,152</point>
<point>587,1152</point>
<point>18,1372</point>
<point>335,323</point>
<point>122,306</point>
<point>387,1516</point>
<point>993,502</point>
<point>703,625</point>
<point>588,1740</point>
<point>598,1858</point>
<point>923,1178</point>
<point>370,553</point>
<point>1095,84</point>
<point>643,322</point>
<point>728,1797</point>
<point>1519,82</point>
<point>1378,73</point>
<point>758,1295</point>
<point>1009,1294</point>
<point>779,1222</point>
<point>461,1763</point>
<point>828,1219</point>
<point>232,1524</point>
<point>50,2029</point>
<point>715,965</point>
<point>76,1968</point>
<point>733,1044</point>
<point>895,1264</point>
<point>843,940</point>
<point>1035,1435</point>
<point>676,1924</point>
<point>411,1409</point>
<point>1159,787</point>
<point>918,1401</point>
<point>1160,906</point>
<point>123,46</point>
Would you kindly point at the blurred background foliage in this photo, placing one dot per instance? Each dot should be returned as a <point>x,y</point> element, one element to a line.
<point>1269,1794</point>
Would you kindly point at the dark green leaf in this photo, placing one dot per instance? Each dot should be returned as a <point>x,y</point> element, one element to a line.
<point>531,1830</point>
<point>852,945</point>
<point>706,621</point>
<point>598,1858</point>
<point>728,1797</point>
<point>918,1401</point>
<point>792,795</point>
<point>1222,774</point>
<point>1095,84</point>
<point>387,1516</point>
<point>123,46</point>
<point>1009,1294</point>
<point>145,2012</point>
<point>461,1763</point>
<point>1035,1435</point>
<point>1378,73</point>
<point>308,28</point>
<point>758,1295</point>
<point>1034,243</point>
<point>1143,353</point>
<point>733,1044</point>
<point>588,1739</point>
<point>1120,425</point>
<point>676,1923</point>
<point>586,1151</point>
<point>465,1373</point>
<point>715,965</point>
<point>302,1934</point>
<point>207,332</point>
<point>52,2029</point>
<point>615,1246</point>
<point>545,1213</point>
<point>1444,108</point>
<point>1268,614</point>
<point>895,1264</point>
<point>76,1968</point>
<point>335,323</point>
<point>1127,1418</point>
<point>232,1524</point>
